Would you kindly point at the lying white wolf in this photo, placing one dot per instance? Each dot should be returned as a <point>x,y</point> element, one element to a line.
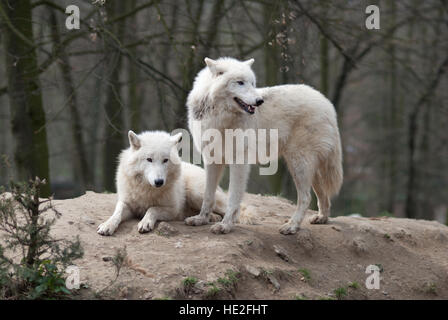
<point>153,182</point>
<point>224,96</point>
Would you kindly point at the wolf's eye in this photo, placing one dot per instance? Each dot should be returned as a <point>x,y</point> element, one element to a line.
<point>241,83</point>
<point>149,159</point>
<point>165,160</point>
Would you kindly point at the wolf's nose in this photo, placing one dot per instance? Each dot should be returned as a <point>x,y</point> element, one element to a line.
<point>259,102</point>
<point>158,182</point>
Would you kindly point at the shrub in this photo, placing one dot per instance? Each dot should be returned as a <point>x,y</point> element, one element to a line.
<point>230,279</point>
<point>340,292</point>
<point>189,282</point>
<point>32,262</point>
<point>213,291</point>
<point>353,285</point>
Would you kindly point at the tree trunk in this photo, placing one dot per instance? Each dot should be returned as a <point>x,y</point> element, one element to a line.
<point>424,173</point>
<point>196,58</point>
<point>114,130</point>
<point>133,91</point>
<point>271,13</point>
<point>392,131</point>
<point>324,76</point>
<point>324,64</point>
<point>79,158</point>
<point>413,130</point>
<point>27,112</point>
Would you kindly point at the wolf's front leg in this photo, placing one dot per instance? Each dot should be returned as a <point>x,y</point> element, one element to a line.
<point>153,215</point>
<point>213,174</point>
<point>121,213</point>
<point>237,186</point>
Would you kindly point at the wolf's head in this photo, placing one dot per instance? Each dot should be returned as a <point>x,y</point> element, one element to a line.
<point>154,156</point>
<point>233,82</point>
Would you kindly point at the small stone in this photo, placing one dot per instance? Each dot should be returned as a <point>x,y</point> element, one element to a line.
<point>305,239</point>
<point>107,258</point>
<point>281,252</point>
<point>167,230</point>
<point>84,285</point>
<point>123,292</point>
<point>253,271</point>
<point>199,287</point>
<point>147,295</point>
<point>385,293</point>
<point>359,245</point>
<point>355,215</point>
<point>178,244</point>
<point>274,282</point>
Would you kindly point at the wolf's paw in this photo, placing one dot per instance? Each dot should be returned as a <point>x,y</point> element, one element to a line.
<point>215,217</point>
<point>197,220</point>
<point>145,226</point>
<point>221,228</point>
<point>318,219</point>
<point>106,229</point>
<point>289,228</point>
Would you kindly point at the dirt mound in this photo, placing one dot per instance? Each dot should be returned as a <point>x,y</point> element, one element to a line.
<point>256,261</point>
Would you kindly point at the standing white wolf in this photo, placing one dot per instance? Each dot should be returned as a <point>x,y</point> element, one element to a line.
<point>153,183</point>
<point>224,96</point>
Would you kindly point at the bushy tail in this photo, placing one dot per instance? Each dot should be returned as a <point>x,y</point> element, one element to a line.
<point>248,214</point>
<point>330,174</point>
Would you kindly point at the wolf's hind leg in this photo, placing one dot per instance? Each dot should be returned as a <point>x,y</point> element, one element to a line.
<point>323,202</point>
<point>122,212</point>
<point>302,171</point>
<point>219,209</point>
<point>237,186</point>
<point>213,174</point>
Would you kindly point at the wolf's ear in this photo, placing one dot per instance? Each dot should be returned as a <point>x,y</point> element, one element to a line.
<point>176,138</point>
<point>249,62</point>
<point>134,141</point>
<point>211,64</point>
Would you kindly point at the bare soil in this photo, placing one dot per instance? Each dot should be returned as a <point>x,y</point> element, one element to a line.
<point>264,264</point>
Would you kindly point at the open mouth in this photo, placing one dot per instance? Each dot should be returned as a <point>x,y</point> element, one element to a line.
<point>246,107</point>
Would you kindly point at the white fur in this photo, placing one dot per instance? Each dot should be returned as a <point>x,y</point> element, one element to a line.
<point>307,128</point>
<point>180,195</point>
